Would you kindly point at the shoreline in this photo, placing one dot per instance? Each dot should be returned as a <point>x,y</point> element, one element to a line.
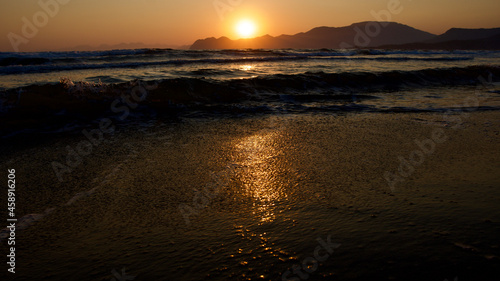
<point>288,179</point>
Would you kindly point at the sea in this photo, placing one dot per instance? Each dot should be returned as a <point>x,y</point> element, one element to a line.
<point>162,164</point>
<point>269,81</point>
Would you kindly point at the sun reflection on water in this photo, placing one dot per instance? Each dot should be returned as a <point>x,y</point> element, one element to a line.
<point>258,156</point>
<point>246,67</point>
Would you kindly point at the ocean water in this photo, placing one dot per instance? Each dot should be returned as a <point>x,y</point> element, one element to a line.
<point>21,69</point>
<point>196,83</point>
<point>251,199</point>
<point>239,164</point>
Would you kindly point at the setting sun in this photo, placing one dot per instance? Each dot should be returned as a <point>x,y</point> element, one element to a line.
<point>246,28</point>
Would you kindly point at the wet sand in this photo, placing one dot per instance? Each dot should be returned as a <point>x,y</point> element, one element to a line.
<point>252,198</point>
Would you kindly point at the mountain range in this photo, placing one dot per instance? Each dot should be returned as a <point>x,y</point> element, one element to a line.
<point>368,34</point>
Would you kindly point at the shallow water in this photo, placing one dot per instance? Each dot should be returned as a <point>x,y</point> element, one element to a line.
<point>248,199</point>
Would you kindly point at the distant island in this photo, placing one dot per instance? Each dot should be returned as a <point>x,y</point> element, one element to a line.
<point>370,34</point>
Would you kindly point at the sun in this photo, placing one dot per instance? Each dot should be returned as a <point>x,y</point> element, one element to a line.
<point>246,28</point>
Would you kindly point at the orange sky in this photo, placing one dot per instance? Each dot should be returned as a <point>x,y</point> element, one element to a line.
<point>69,23</point>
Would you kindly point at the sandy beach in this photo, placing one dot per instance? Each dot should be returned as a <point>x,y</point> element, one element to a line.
<point>253,198</point>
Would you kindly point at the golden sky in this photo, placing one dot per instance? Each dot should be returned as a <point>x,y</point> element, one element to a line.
<point>68,23</point>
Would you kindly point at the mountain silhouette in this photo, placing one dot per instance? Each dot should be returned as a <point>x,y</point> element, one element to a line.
<point>368,34</point>
<point>359,35</point>
<point>461,34</point>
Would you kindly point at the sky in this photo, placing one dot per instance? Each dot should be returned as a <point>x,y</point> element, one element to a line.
<point>42,25</point>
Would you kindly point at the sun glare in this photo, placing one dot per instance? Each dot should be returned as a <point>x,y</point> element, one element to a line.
<point>246,28</point>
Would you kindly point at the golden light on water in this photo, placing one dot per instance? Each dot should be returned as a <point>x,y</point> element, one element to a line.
<point>260,173</point>
<point>246,67</point>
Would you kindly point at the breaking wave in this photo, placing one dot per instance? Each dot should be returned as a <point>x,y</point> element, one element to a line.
<point>16,63</point>
<point>201,89</point>
<point>57,104</point>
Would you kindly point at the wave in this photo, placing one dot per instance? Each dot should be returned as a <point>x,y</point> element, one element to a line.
<point>232,52</point>
<point>52,68</point>
<point>36,67</point>
<point>23,61</point>
<point>210,72</point>
<point>371,52</point>
<point>61,103</point>
<point>208,90</point>
<point>399,58</point>
<point>44,62</point>
<point>83,54</point>
<point>13,59</point>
